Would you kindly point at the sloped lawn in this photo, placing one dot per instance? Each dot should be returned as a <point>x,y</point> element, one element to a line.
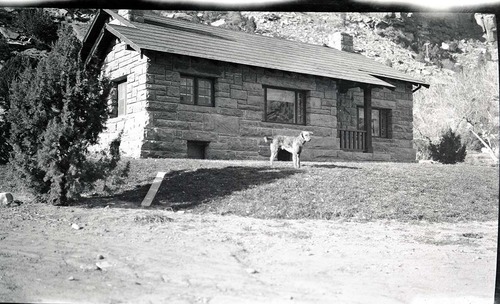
<point>342,190</point>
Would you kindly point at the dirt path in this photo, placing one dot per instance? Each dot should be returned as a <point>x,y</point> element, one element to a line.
<point>152,256</point>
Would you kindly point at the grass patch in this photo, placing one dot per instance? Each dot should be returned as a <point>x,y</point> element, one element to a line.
<point>152,219</point>
<point>349,191</point>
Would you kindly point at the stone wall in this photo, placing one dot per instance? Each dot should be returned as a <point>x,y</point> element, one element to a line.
<point>119,63</point>
<point>399,145</point>
<point>234,127</point>
<point>158,125</point>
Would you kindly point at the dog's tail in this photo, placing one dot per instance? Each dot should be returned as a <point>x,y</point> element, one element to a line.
<point>268,139</point>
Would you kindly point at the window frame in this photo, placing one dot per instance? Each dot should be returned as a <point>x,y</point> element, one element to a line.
<point>115,99</point>
<point>196,79</point>
<point>296,106</point>
<point>382,111</point>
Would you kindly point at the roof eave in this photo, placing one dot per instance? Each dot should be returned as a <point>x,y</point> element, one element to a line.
<point>379,82</point>
<point>408,79</point>
<point>94,37</point>
<point>95,46</point>
<point>93,34</point>
<point>104,37</point>
<point>123,38</point>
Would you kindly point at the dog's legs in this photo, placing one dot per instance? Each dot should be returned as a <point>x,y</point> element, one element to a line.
<point>294,159</point>
<point>298,161</point>
<point>274,153</point>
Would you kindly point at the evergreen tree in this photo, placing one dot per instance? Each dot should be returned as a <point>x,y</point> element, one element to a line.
<point>38,24</point>
<point>8,73</point>
<point>57,111</point>
<point>449,150</point>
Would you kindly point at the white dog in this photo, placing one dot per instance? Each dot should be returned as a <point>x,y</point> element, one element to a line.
<point>291,144</point>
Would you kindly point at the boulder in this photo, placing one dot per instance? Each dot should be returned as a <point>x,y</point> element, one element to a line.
<point>487,22</point>
<point>6,198</point>
<point>218,22</point>
<point>8,34</point>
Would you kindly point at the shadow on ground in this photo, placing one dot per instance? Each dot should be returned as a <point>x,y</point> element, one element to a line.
<point>183,189</point>
<point>330,166</point>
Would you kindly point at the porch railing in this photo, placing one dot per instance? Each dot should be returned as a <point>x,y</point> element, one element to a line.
<point>352,140</point>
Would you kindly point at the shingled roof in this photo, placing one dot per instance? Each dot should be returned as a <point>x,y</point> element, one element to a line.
<point>168,35</point>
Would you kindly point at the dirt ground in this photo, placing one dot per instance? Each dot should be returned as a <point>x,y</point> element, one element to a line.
<point>121,255</point>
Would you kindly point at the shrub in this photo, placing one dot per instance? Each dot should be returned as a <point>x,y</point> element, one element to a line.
<point>5,148</point>
<point>104,170</point>
<point>4,49</point>
<point>449,150</point>
<point>11,69</point>
<point>9,72</point>
<point>57,111</point>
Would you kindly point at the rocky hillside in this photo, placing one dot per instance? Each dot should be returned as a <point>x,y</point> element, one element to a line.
<point>15,39</point>
<point>428,46</point>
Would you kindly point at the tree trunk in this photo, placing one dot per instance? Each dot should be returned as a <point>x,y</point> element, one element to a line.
<point>490,151</point>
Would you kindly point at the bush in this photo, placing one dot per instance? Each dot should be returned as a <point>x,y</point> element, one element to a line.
<point>8,73</point>
<point>5,148</point>
<point>4,49</point>
<point>450,149</point>
<point>104,170</point>
<point>57,111</point>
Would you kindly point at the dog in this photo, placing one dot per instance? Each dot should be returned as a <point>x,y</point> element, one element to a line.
<point>291,144</point>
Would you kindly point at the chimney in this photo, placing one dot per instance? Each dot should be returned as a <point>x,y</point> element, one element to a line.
<point>341,41</point>
<point>132,15</point>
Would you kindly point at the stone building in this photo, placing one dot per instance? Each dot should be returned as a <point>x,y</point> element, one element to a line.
<point>186,90</point>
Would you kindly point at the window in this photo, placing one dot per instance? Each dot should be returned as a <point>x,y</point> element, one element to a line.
<point>119,100</point>
<point>197,91</point>
<point>380,121</point>
<point>285,106</point>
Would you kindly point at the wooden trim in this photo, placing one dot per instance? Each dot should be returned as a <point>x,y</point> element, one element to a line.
<point>382,111</point>
<point>123,84</point>
<point>352,140</point>
<point>94,48</point>
<point>129,42</point>
<point>196,87</point>
<point>296,106</point>
<point>367,103</point>
<point>150,196</point>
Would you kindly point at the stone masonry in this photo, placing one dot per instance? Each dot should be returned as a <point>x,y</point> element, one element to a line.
<point>118,64</point>
<point>399,145</point>
<point>234,127</point>
<point>158,125</point>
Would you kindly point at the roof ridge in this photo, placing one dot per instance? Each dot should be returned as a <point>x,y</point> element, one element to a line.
<point>234,31</point>
<point>292,42</point>
<point>229,45</point>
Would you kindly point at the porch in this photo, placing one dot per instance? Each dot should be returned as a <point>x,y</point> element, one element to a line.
<point>352,136</point>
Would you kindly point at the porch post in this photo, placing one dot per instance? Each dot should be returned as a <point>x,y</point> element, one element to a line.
<point>367,96</point>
